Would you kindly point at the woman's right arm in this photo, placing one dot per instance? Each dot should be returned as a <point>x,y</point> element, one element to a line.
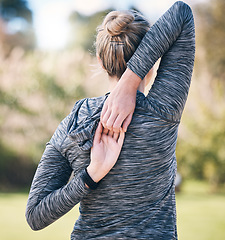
<point>173,37</point>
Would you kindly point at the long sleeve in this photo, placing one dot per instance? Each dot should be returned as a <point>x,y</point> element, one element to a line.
<point>51,195</point>
<point>172,37</point>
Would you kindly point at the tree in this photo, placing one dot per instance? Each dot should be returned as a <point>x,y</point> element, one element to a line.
<point>10,9</point>
<point>86,27</point>
<point>212,36</point>
<point>15,10</point>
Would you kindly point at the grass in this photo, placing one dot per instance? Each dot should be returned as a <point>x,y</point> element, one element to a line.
<point>201,216</point>
<point>13,224</point>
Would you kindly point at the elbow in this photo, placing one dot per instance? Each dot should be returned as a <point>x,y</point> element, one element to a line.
<point>183,6</point>
<point>185,11</point>
<point>33,221</point>
<point>33,227</point>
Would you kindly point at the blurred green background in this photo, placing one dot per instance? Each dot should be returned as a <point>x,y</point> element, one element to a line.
<point>40,83</point>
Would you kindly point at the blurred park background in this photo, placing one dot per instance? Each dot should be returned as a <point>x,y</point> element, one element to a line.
<point>47,62</point>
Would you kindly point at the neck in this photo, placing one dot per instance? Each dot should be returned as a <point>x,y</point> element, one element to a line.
<point>113,81</point>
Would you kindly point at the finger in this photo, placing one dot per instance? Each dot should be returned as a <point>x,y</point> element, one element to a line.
<point>111,120</point>
<point>105,131</point>
<point>121,138</point>
<point>104,137</point>
<point>118,122</point>
<point>110,133</point>
<point>104,110</point>
<point>115,136</point>
<point>98,133</point>
<point>105,118</point>
<point>126,122</point>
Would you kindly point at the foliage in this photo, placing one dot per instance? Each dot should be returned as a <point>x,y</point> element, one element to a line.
<point>11,101</point>
<point>37,90</point>
<point>10,9</point>
<point>200,148</point>
<point>18,11</point>
<point>86,27</point>
<point>16,171</point>
<point>212,36</point>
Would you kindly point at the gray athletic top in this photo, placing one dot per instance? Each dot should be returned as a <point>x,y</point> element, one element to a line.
<point>136,199</point>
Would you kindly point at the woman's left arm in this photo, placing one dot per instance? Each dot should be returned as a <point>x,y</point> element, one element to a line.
<point>51,195</point>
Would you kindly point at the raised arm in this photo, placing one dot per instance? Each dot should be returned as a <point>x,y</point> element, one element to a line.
<point>172,37</point>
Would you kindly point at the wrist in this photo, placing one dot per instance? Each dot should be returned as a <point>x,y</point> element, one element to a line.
<point>130,80</point>
<point>89,183</point>
<point>94,173</point>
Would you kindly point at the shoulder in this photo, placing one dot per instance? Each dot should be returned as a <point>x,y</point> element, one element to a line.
<point>88,102</point>
<point>81,110</point>
<point>85,107</point>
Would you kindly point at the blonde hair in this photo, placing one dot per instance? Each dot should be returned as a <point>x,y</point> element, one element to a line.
<point>117,39</point>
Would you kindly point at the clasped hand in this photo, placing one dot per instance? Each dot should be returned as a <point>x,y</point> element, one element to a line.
<point>116,116</point>
<point>104,152</point>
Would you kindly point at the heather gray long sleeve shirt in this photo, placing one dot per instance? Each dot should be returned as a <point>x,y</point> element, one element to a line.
<point>136,199</point>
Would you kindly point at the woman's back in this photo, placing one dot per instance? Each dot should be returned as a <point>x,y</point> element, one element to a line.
<point>139,189</point>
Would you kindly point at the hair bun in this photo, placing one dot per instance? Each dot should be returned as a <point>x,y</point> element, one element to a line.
<point>118,22</point>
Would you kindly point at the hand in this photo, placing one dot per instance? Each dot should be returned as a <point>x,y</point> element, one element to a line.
<point>119,107</point>
<point>104,152</point>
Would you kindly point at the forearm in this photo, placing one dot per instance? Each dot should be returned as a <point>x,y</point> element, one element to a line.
<point>161,36</point>
<point>56,204</point>
<point>51,196</point>
<point>130,80</point>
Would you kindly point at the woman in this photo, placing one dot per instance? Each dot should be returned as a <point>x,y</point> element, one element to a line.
<point>132,197</point>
